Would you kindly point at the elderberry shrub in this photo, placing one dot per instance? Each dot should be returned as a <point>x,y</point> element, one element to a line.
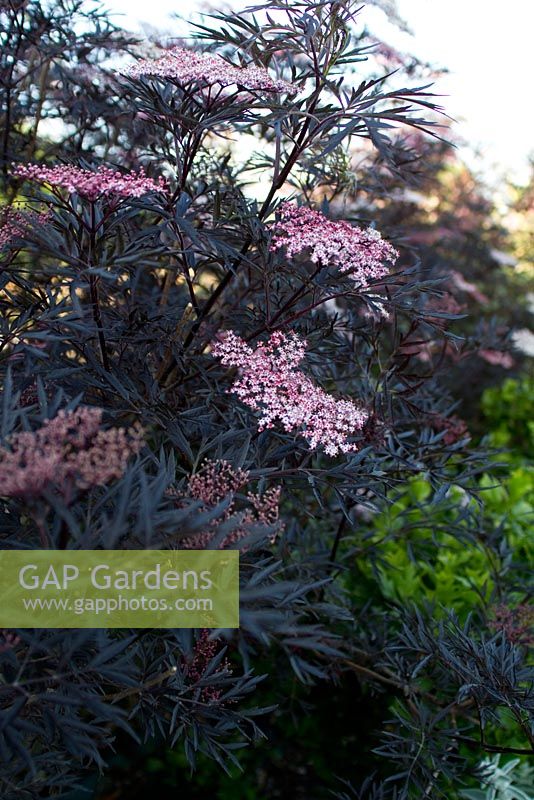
<point>186,366</point>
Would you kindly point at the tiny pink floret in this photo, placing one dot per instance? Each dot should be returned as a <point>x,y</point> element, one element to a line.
<point>360,252</point>
<point>271,383</point>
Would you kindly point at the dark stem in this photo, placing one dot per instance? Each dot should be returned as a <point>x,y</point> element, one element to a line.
<point>288,304</point>
<point>43,536</point>
<point>337,540</point>
<point>276,185</point>
<point>97,316</point>
<point>9,79</point>
<point>93,288</point>
<point>489,748</point>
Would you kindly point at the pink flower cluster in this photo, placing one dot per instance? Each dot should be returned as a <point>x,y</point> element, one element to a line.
<point>454,427</point>
<point>187,66</point>
<point>459,282</point>
<point>8,640</point>
<point>204,651</point>
<point>215,482</point>
<point>15,224</point>
<point>357,251</point>
<point>271,383</point>
<point>516,623</point>
<point>104,182</point>
<point>69,451</point>
<point>497,358</point>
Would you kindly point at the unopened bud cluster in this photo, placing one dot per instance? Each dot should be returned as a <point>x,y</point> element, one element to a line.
<point>15,224</point>
<point>205,650</point>
<point>70,451</point>
<point>217,481</point>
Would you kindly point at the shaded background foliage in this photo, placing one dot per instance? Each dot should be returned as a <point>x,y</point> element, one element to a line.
<point>385,617</point>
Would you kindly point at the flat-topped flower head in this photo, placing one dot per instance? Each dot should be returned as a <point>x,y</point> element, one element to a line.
<point>71,450</point>
<point>271,383</point>
<point>360,252</point>
<point>16,224</point>
<point>103,182</point>
<point>187,66</point>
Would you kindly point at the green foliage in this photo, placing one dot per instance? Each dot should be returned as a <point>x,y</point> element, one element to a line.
<point>509,411</point>
<point>509,781</point>
<point>455,573</point>
<point>451,575</point>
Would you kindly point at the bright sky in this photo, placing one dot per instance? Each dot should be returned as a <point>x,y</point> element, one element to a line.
<point>485,44</point>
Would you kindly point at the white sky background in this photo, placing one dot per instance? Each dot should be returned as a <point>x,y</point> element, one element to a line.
<point>487,45</point>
